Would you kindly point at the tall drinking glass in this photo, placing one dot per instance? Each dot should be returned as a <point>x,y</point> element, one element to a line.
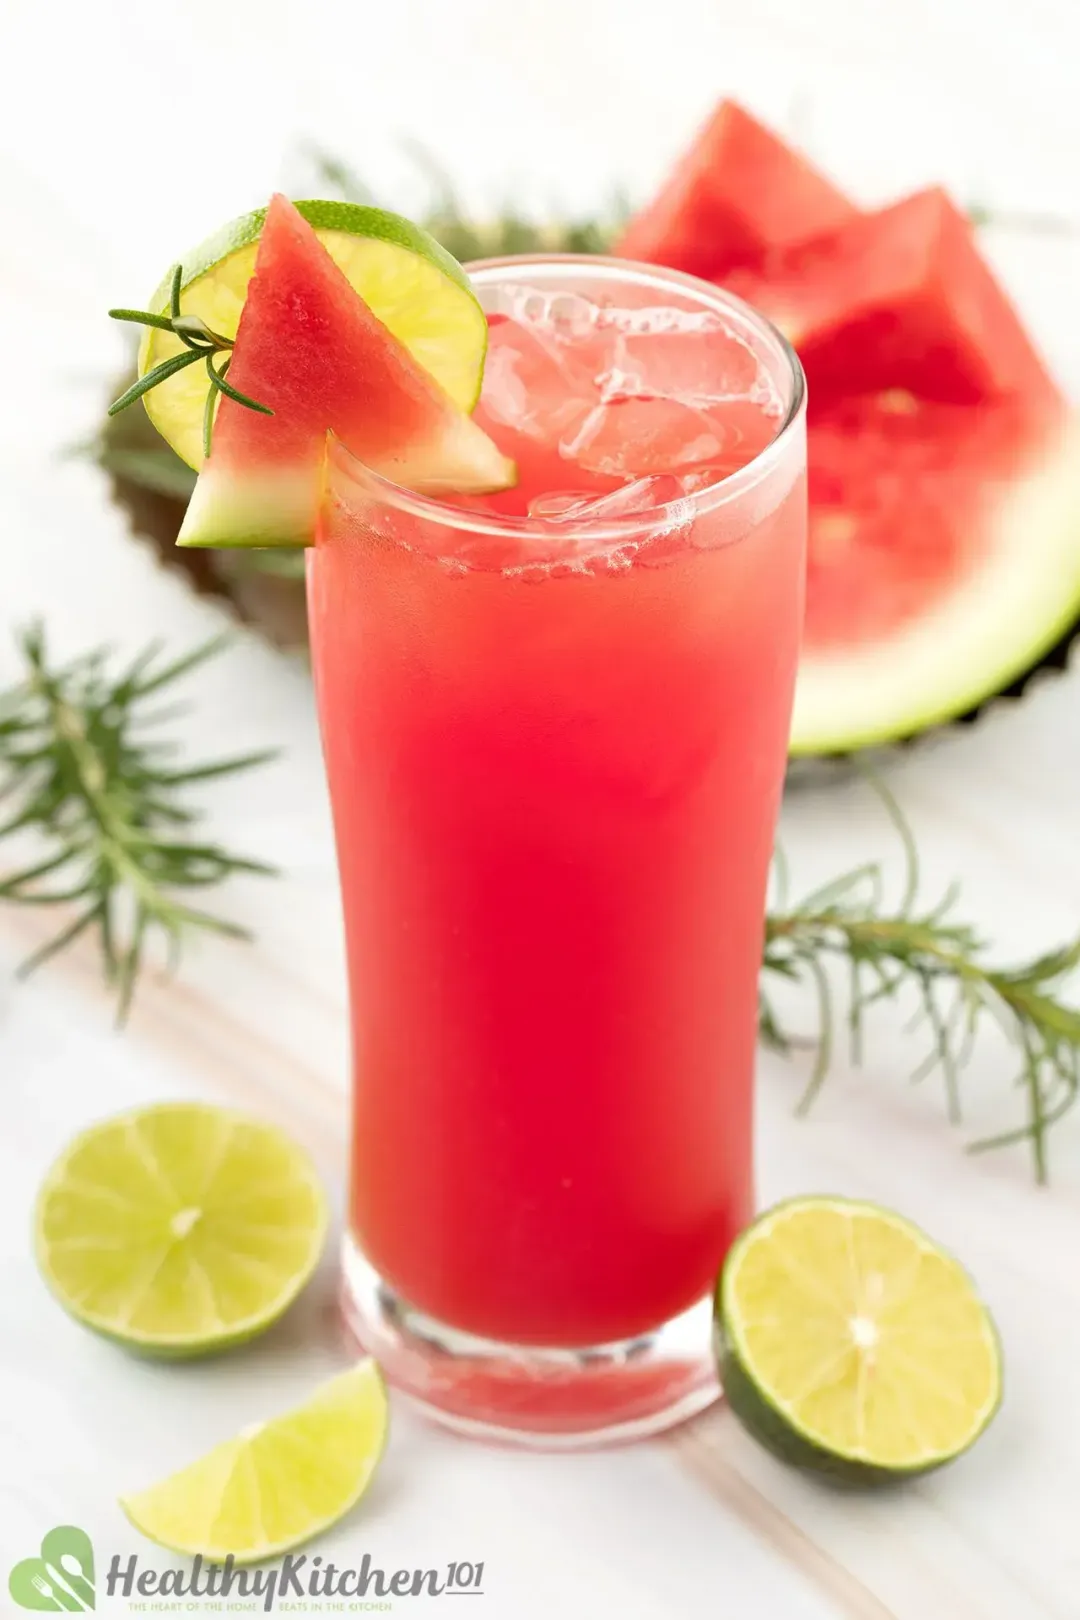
<point>555,744</point>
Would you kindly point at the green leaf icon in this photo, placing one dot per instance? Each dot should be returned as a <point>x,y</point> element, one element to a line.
<point>61,1580</point>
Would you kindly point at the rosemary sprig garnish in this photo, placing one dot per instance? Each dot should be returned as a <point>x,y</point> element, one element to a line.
<point>106,802</point>
<point>200,342</point>
<point>942,960</point>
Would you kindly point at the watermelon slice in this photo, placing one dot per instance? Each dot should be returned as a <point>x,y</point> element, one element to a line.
<point>944,554</point>
<point>309,347</point>
<point>900,298</point>
<point>944,560</point>
<point>739,195</point>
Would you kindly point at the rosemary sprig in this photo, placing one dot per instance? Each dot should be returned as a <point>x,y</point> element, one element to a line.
<point>106,802</point>
<point>927,950</point>
<point>200,342</point>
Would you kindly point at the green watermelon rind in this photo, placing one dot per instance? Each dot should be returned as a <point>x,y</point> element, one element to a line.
<point>991,630</point>
<point>269,510</point>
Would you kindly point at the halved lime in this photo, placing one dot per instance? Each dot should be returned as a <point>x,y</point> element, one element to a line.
<point>851,1344</point>
<point>180,1229</point>
<point>278,1483</point>
<point>410,282</point>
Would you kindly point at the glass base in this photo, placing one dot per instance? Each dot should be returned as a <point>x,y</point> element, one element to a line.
<point>543,1398</point>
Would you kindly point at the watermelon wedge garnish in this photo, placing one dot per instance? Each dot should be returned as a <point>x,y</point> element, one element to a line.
<point>310,349</point>
<point>738,195</point>
<point>900,298</point>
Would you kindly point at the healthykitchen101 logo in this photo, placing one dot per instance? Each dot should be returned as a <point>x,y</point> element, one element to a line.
<point>61,1580</point>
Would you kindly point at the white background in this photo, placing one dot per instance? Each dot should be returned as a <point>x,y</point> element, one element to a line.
<point>128,131</point>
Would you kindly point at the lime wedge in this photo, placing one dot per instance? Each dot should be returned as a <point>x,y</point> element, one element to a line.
<point>412,284</point>
<point>277,1484</point>
<point>180,1229</point>
<point>849,1343</point>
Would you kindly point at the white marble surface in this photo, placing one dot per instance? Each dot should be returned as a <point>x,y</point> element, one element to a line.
<point>111,152</point>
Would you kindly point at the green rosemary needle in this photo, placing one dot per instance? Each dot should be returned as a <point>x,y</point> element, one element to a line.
<point>925,949</point>
<point>83,768</point>
<point>200,343</point>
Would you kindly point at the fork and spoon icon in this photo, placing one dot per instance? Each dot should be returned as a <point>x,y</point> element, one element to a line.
<point>70,1594</point>
<point>61,1580</point>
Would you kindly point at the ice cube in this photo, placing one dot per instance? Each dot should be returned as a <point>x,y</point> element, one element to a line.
<point>566,315</point>
<point>544,353</point>
<point>632,437</point>
<point>626,393</point>
<point>557,506</point>
<point>655,318</point>
<point>572,317</point>
<point>641,495</point>
<point>518,303</point>
<point>697,358</point>
<point>529,382</point>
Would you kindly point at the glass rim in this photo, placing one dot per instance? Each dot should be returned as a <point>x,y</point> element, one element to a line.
<point>617,528</point>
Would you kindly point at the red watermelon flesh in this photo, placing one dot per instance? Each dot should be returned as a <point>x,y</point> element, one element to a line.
<point>901,298</point>
<point>944,555</point>
<point>944,561</point>
<point>736,197</point>
<point>309,347</point>
<point>901,491</point>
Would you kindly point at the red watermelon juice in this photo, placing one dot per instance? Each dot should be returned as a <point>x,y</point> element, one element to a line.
<point>555,725</point>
